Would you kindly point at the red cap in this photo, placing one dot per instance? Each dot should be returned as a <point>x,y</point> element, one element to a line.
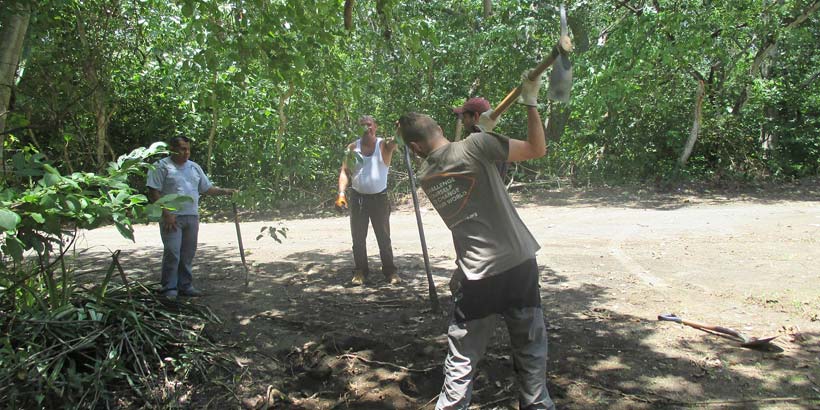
<point>475,104</point>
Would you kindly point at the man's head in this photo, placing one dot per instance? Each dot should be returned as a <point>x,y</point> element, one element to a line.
<point>369,125</point>
<point>471,111</point>
<point>180,149</point>
<point>420,132</point>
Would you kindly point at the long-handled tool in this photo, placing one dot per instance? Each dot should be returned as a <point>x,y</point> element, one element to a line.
<point>239,239</point>
<point>431,285</point>
<point>560,78</point>
<point>744,340</point>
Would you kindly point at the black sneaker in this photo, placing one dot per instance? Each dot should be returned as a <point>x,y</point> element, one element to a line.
<point>191,292</point>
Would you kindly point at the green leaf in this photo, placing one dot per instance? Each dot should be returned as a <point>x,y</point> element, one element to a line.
<point>154,212</point>
<point>174,201</point>
<point>50,179</point>
<point>14,247</point>
<point>51,170</point>
<point>188,9</point>
<point>37,217</point>
<point>9,219</point>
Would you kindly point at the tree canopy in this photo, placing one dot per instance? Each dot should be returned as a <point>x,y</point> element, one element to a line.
<point>270,90</point>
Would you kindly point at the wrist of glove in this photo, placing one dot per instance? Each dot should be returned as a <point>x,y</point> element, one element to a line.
<point>529,89</point>
<point>341,201</point>
<point>486,123</point>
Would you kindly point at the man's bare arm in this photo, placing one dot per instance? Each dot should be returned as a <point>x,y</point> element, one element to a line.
<point>535,146</point>
<point>344,172</point>
<point>153,194</point>
<point>215,190</point>
<point>388,148</point>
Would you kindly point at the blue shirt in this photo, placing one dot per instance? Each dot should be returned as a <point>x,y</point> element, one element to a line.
<point>168,177</point>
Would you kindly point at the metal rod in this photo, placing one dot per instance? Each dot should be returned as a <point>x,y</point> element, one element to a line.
<point>239,239</point>
<point>431,285</point>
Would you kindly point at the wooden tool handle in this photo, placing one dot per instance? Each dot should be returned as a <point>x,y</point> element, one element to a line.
<point>719,329</point>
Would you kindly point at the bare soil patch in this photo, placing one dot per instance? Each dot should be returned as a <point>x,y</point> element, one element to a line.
<point>611,261</point>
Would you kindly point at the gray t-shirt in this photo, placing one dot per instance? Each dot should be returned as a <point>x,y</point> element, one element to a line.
<point>462,183</point>
<point>187,179</point>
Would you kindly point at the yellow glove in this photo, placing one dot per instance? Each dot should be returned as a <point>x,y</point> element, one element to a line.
<point>341,201</point>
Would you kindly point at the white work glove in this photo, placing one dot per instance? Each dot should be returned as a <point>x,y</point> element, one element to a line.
<point>485,122</point>
<point>529,90</point>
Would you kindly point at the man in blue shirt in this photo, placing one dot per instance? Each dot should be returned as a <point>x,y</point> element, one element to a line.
<point>179,229</point>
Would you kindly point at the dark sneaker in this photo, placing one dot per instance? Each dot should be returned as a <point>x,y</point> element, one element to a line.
<point>170,294</point>
<point>192,292</point>
<point>358,278</point>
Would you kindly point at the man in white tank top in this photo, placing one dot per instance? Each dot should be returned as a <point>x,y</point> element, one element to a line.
<point>368,200</point>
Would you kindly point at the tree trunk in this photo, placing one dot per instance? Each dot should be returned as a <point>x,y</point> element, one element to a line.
<point>348,14</point>
<point>99,96</point>
<point>488,8</point>
<point>696,123</point>
<point>556,121</point>
<point>283,119</point>
<point>459,127</point>
<point>214,124</point>
<point>12,32</point>
<point>768,47</point>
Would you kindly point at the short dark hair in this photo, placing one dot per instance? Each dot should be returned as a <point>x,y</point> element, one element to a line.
<point>174,141</point>
<point>417,127</point>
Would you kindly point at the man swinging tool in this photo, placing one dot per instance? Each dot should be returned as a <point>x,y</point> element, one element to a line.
<point>497,272</point>
<point>368,199</point>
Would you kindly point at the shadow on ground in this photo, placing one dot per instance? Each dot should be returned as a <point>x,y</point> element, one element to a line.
<point>304,338</point>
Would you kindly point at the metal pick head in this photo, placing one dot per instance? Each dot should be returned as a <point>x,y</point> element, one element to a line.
<point>560,79</point>
<point>564,29</point>
<point>561,74</point>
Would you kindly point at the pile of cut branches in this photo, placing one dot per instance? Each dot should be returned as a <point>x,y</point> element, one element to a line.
<point>116,347</point>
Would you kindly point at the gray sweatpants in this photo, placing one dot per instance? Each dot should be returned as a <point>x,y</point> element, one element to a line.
<point>468,342</point>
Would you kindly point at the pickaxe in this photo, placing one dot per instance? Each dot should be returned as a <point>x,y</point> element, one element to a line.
<point>560,77</point>
<point>751,342</point>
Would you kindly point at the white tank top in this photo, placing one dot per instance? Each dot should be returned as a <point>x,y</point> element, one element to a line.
<point>370,177</point>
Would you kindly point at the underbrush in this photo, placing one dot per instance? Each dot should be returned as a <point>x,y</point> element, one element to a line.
<point>106,346</point>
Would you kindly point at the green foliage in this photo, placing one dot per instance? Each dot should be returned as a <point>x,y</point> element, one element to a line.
<point>277,233</point>
<point>280,84</point>
<point>40,203</point>
<point>104,348</point>
<point>69,345</point>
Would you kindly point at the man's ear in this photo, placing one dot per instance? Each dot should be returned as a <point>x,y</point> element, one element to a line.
<point>414,146</point>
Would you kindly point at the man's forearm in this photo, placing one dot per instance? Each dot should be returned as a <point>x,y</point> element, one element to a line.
<point>215,190</point>
<point>153,195</point>
<point>535,132</point>
<point>342,181</point>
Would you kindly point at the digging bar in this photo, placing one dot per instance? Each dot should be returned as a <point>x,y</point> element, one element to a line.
<point>239,240</point>
<point>431,285</point>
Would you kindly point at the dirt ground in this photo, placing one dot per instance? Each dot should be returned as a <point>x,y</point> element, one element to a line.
<point>611,262</point>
